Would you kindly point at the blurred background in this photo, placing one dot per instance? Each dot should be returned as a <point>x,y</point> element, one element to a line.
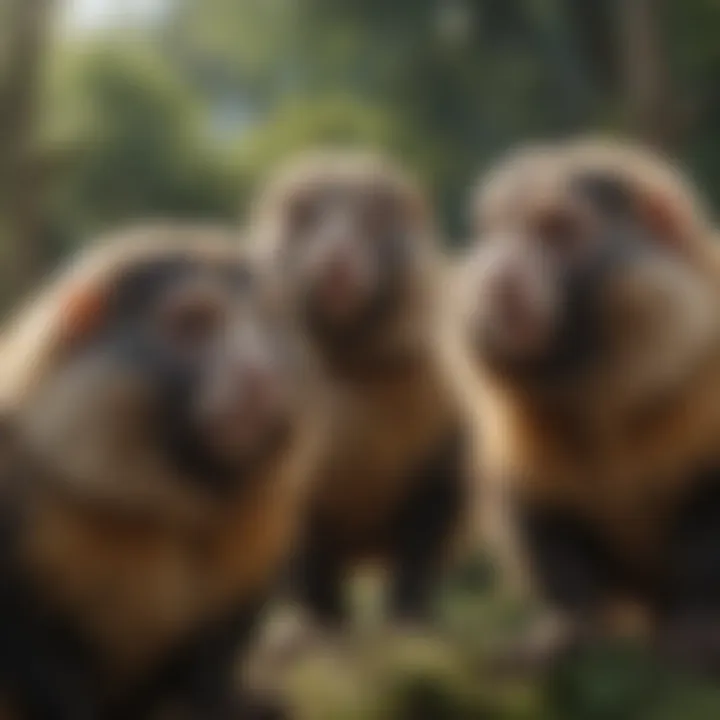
<point>110,109</point>
<point>116,109</point>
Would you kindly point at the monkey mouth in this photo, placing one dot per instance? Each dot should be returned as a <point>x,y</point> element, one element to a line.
<point>515,332</point>
<point>222,463</point>
<point>340,300</point>
<point>246,453</point>
<point>237,432</point>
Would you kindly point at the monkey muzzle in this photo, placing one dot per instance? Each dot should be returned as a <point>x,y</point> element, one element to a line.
<point>342,290</point>
<point>516,305</point>
<point>244,405</point>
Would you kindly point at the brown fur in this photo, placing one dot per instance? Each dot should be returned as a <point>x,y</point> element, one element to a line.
<point>390,402</point>
<point>626,476</point>
<point>616,453</point>
<point>137,587</point>
<point>381,430</point>
<point>138,560</point>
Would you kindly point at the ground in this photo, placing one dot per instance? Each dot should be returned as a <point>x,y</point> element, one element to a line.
<point>374,673</point>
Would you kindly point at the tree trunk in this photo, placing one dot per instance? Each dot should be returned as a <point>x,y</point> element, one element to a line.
<point>595,34</point>
<point>23,41</point>
<point>648,99</point>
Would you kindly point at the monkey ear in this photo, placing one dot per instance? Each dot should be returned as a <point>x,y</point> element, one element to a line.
<point>82,313</point>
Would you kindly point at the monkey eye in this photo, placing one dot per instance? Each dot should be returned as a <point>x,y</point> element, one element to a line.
<point>561,230</point>
<point>302,214</point>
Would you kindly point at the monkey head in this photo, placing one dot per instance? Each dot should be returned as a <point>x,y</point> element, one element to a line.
<point>348,233</point>
<point>590,266</point>
<point>154,366</point>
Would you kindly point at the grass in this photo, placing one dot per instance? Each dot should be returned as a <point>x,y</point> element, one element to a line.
<point>381,674</point>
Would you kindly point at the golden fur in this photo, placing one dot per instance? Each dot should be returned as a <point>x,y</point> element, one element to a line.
<point>381,431</point>
<point>363,169</point>
<point>138,587</point>
<point>390,404</point>
<point>620,449</point>
<point>136,558</point>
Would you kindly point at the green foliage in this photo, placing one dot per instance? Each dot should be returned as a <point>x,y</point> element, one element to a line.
<point>132,140</point>
<point>186,118</point>
<point>226,46</point>
<point>385,674</point>
<point>301,124</point>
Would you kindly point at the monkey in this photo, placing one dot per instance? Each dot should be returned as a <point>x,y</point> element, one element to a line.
<point>350,240</point>
<point>587,308</point>
<point>154,461</point>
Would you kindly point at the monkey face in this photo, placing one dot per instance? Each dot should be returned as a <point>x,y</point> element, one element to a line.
<point>531,274</point>
<point>583,279</point>
<point>217,363</point>
<point>346,251</point>
<point>185,364</point>
<point>347,239</point>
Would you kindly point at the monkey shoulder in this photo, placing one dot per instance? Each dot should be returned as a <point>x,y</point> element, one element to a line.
<point>382,427</point>
<point>138,588</point>
<point>632,490</point>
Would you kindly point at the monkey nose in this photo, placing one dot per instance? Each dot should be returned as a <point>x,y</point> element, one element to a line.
<point>254,402</point>
<point>507,293</point>
<point>340,270</point>
<point>341,284</point>
<point>258,389</point>
<point>518,316</point>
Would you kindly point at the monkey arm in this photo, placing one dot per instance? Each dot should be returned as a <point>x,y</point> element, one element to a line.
<point>44,666</point>
<point>573,570</point>
<point>691,632</point>
<point>424,524</point>
<point>200,679</point>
